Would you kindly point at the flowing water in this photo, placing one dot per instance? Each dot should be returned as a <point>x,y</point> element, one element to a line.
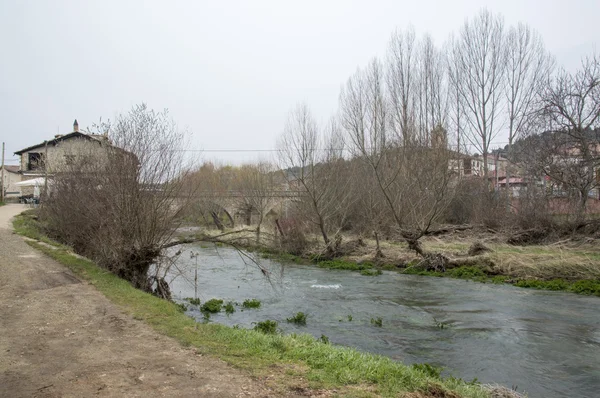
<point>544,343</point>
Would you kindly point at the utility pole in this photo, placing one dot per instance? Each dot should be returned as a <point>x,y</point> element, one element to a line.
<point>2,177</point>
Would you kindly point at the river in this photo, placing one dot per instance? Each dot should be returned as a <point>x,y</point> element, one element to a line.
<point>546,344</point>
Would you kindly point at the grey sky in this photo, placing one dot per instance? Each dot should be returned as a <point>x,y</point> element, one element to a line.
<point>228,71</point>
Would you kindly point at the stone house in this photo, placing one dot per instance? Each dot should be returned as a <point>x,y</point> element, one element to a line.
<point>52,156</point>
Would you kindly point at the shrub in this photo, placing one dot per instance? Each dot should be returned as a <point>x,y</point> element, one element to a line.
<point>294,237</point>
<point>371,272</point>
<point>298,319</point>
<point>229,308</point>
<point>212,306</point>
<point>377,321</point>
<point>193,301</point>
<point>251,303</point>
<point>266,327</point>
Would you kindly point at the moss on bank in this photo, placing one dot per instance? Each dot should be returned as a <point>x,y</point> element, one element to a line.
<point>473,273</point>
<point>585,286</point>
<point>286,359</point>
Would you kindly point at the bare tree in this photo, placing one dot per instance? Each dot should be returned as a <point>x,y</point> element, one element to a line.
<point>401,82</point>
<point>120,203</point>
<point>479,55</point>
<point>455,106</point>
<point>571,108</point>
<point>412,180</point>
<point>431,97</point>
<point>313,165</point>
<point>528,68</point>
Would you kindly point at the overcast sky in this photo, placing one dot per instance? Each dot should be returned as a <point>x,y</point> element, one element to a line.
<point>228,71</point>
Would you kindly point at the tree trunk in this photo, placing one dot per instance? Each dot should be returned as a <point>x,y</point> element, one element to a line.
<point>217,222</point>
<point>378,253</point>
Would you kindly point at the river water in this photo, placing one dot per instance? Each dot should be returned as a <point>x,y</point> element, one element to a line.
<point>546,344</point>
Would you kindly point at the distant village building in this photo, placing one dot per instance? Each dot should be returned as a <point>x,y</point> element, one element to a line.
<point>11,177</point>
<point>464,165</point>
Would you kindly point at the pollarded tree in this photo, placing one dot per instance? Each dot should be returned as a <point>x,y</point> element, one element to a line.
<point>413,179</point>
<point>121,203</point>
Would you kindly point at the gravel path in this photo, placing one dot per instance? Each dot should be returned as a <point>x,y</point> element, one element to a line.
<point>60,337</point>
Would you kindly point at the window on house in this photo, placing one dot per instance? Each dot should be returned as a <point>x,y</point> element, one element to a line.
<point>36,161</point>
<point>467,166</point>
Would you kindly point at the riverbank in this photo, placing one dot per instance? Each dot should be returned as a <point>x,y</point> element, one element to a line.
<point>572,266</point>
<point>292,364</point>
<point>61,337</point>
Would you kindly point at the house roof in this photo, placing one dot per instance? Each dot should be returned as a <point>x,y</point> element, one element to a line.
<point>56,140</point>
<point>11,169</point>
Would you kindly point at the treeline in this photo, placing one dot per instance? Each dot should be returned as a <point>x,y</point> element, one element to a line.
<point>390,160</point>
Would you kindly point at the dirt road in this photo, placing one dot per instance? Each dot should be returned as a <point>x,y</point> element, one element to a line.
<point>60,337</point>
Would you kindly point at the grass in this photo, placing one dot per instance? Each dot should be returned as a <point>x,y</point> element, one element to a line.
<point>229,308</point>
<point>251,303</point>
<point>266,327</point>
<point>344,264</point>
<point>193,301</point>
<point>371,272</point>
<point>26,225</point>
<point>212,306</point>
<point>347,370</point>
<point>298,319</point>
<point>585,286</point>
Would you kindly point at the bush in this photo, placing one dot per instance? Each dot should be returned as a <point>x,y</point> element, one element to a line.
<point>371,272</point>
<point>294,239</point>
<point>229,308</point>
<point>298,319</point>
<point>193,301</point>
<point>212,306</point>
<point>251,303</point>
<point>377,321</point>
<point>266,327</point>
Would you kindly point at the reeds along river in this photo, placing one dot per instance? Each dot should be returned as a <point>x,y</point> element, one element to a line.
<point>544,343</point>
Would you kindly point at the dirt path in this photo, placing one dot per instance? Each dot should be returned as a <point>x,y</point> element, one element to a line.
<point>60,337</point>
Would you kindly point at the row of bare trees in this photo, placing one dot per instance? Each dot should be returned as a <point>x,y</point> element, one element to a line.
<point>386,157</point>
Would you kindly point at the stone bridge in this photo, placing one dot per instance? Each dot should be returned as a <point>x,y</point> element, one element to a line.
<point>234,206</point>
